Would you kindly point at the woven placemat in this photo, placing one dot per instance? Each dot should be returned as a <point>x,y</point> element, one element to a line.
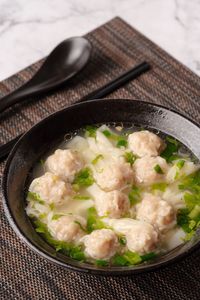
<point>117,47</point>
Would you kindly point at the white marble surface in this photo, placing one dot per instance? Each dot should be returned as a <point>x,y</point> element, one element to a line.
<point>30,29</point>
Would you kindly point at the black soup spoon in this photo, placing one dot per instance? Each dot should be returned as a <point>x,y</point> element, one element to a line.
<point>65,61</point>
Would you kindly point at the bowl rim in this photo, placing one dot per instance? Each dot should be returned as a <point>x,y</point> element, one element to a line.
<point>116,271</point>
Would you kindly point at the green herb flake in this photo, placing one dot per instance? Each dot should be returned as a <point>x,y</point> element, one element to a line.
<point>148,256</point>
<point>121,143</point>
<point>122,240</point>
<point>80,225</point>
<point>119,260</point>
<point>170,152</point>
<point>101,263</point>
<point>56,217</point>
<point>191,182</point>
<point>81,197</point>
<point>84,178</point>
<point>90,131</point>
<point>35,197</point>
<point>158,169</point>
<point>93,221</point>
<point>195,213</point>
<point>134,195</point>
<point>127,259</point>
<point>180,164</point>
<point>42,216</point>
<point>161,186</point>
<point>107,133</point>
<point>183,219</point>
<point>51,206</point>
<point>97,158</point>
<point>130,157</point>
<point>191,200</point>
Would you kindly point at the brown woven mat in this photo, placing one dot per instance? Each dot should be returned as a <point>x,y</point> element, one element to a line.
<point>117,47</point>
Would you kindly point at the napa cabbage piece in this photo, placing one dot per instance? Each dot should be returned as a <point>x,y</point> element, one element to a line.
<point>180,170</point>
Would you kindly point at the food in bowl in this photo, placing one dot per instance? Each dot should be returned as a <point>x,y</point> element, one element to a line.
<point>112,195</point>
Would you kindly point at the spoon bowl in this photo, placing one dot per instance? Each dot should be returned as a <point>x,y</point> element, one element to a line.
<point>64,62</point>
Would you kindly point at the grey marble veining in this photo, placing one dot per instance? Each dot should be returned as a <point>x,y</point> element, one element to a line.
<point>30,29</point>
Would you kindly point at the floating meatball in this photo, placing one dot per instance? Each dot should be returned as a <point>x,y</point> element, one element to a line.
<point>100,244</point>
<point>51,189</point>
<point>67,228</point>
<point>156,211</point>
<point>149,170</point>
<point>64,163</point>
<point>114,204</point>
<point>114,176</point>
<point>145,143</point>
<point>141,236</point>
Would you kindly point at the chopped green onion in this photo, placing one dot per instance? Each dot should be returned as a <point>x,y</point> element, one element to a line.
<point>180,163</point>
<point>161,186</point>
<point>148,256</point>
<point>80,225</point>
<point>84,178</point>
<point>195,213</point>
<point>134,195</point>
<point>130,157</point>
<point>170,152</point>
<point>107,133</point>
<point>35,197</point>
<point>191,182</point>
<point>90,131</point>
<point>158,169</point>
<point>93,221</point>
<point>52,206</point>
<point>122,240</point>
<point>122,143</point>
<point>96,159</point>
<point>191,200</point>
<point>101,263</point>
<point>81,197</point>
<point>127,259</point>
<point>57,216</point>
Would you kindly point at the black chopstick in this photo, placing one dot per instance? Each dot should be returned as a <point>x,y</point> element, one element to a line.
<point>97,94</point>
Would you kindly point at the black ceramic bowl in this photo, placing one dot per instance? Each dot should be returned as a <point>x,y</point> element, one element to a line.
<point>50,131</point>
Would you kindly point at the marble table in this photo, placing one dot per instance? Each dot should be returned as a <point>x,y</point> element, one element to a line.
<point>30,29</point>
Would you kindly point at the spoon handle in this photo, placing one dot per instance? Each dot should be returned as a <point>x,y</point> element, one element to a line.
<point>97,94</point>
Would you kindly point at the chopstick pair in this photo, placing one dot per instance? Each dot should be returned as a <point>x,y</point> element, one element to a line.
<point>97,94</point>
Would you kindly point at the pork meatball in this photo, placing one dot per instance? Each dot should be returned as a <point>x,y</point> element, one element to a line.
<point>101,244</point>
<point>51,189</point>
<point>141,236</point>
<point>156,211</point>
<point>64,163</point>
<point>114,204</point>
<point>145,143</point>
<point>145,170</point>
<point>114,176</point>
<point>67,228</point>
